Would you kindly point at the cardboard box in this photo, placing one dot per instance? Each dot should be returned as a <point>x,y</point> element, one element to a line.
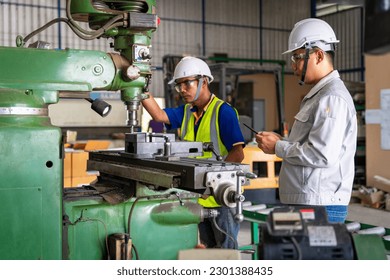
<point>71,136</point>
<point>93,145</point>
<point>79,145</point>
<point>372,199</point>
<point>79,163</point>
<point>381,183</point>
<point>68,165</point>
<point>387,203</point>
<point>67,182</point>
<point>75,162</point>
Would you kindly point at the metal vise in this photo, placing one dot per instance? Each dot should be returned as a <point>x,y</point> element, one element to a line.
<point>160,161</point>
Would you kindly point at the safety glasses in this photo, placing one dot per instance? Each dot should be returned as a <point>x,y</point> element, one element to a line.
<point>296,57</point>
<point>187,84</point>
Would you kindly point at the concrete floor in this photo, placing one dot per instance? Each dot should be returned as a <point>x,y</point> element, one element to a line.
<point>367,215</point>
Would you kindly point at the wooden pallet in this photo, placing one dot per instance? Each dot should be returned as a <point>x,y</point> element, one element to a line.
<point>253,154</point>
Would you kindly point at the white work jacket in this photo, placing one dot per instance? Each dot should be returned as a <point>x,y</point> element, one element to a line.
<point>318,155</point>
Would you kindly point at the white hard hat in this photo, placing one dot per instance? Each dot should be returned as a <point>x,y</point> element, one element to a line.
<point>312,32</point>
<point>191,66</point>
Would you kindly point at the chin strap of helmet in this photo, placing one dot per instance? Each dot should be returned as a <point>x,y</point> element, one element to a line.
<point>307,55</point>
<point>308,48</point>
<point>200,83</point>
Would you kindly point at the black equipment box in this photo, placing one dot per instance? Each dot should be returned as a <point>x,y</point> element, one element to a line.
<point>303,232</point>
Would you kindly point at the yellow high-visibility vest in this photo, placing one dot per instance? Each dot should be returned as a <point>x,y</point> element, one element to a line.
<point>208,130</point>
<point>209,202</point>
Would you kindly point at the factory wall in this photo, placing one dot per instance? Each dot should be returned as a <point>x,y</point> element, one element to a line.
<point>264,88</point>
<point>252,29</point>
<point>377,79</point>
<point>349,59</point>
<point>244,31</point>
<point>249,31</point>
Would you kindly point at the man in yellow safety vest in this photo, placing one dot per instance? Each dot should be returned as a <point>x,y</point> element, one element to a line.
<point>204,118</point>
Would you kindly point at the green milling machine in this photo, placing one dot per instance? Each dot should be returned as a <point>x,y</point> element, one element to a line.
<point>144,203</point>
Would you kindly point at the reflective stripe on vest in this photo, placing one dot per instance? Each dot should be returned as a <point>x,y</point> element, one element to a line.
<point>208,130</point>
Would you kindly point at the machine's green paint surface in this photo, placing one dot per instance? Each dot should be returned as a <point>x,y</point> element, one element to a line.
<point>369,247</point>
<point>65,70</point>
<point>156,234</point>
<point>31,181</point>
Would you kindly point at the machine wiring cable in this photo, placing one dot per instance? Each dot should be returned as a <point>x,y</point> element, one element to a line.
<point>135,251</point>
<point>105,230</point>
<point>225,233</point>
<point>82,219</point>
<point>296,245</point>
<point>131,213</point>
<point>144,197</point>
<point>116,21</point>
<point>39,30</point>
<point>129,223</point>
<point>89,32</point>
<point>78,33</point>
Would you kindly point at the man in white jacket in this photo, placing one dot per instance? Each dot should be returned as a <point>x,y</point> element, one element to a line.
<point>318,155</point>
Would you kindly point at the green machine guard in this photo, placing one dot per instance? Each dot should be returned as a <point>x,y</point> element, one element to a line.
<point>157,226</point>
<point>38,221</point>
<point>31,178</point>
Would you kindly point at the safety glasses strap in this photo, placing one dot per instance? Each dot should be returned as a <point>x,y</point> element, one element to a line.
<point>200,83</point>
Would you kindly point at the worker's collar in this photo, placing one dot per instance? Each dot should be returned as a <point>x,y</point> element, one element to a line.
<point>194,109</point>
<point>331,76</point>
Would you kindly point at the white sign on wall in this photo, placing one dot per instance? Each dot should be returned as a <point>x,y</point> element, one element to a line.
<point>382,117</point>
